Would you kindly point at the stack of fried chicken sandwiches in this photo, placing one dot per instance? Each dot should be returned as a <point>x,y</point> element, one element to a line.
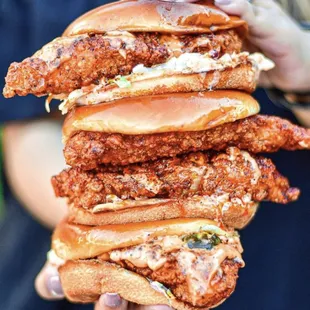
<point>161,137</point>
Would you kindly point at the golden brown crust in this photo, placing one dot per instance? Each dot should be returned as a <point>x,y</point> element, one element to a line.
<point>61,66</point>
<point>72,241</point>
<point>155,16</point>
<point>84,281</point>
<point>256,134</point>
<point>180,282</point>
<point>162,113</point>
<point>206,178</point>
<point>237,216</point>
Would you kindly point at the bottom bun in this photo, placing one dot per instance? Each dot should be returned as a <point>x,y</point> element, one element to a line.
<point>85,280</point>
<point>235,215</point>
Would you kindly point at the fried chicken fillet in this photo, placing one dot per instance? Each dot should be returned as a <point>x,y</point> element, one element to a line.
<point>233,172</point>
<point>69,63</point>
<point>187,263</point>
<point>257,134</point>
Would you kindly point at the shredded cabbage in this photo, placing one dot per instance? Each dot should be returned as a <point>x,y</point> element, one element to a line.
<point>159,287</point>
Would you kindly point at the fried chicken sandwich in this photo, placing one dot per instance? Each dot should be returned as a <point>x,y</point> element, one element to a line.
<point>184,263</point>
<point>162,138</point>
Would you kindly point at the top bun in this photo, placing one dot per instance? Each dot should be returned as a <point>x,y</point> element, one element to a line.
<point>155,16</point>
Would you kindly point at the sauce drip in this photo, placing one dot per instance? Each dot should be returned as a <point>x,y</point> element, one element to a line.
<point>200,266</point>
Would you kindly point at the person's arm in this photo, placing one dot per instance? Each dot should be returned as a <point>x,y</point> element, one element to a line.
<point>279,37</point>
<point>32,154</point>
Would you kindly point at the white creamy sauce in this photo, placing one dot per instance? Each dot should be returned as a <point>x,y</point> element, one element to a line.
<point>124,37</point>
<point>50,53</point>
<point>198,174</point>
<point>234,152</point>
<point>198,265</point>
<point>254,166</point>
<point>113,199</point>
<point>194,63</point>
<point>303,144</point>
<point>150,254</point>
<point>261,62</point>
<point>140,256</point>
<point>219,203</point>
<point>173,43</point>
<point>215,80</point>
<point>202,268</point>
<point>54,260</point>
<point>152,186</point>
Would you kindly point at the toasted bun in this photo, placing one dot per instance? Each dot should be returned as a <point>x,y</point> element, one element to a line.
<point>72,241</point>
<point>235,215</point>
<point>162,113</point>
<point>85,280</point>
<point>155,16</point>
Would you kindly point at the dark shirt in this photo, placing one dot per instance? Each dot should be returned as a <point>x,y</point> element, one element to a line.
<point>277,247</point>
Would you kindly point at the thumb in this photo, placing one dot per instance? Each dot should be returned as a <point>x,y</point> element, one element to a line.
<point>265,18</point>
<point>111,301</point>
<point>273,31</point>
<point>242,8</point>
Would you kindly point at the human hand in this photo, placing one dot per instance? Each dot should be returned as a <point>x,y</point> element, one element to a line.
<point>48,286</point>
<point>279,37</point>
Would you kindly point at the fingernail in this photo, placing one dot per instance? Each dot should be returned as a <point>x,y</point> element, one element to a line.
<point>159,307</point>
<point>54,286</point>
<point>223,2</point>
<point>110,300</point>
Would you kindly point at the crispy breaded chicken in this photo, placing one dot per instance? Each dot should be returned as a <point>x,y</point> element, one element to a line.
<point>235,172</point>
<point>69,63</point>
<point>182,281</point>
<point>171,275</point>
<point>255,134</point>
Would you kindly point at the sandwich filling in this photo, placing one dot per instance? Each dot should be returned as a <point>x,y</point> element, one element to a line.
<point>89,69</point>
<point>191,266</point>
<point>256,134</point>
<point>69,63</point>
<point>166,77</point>
<point>199,268</point>
<point>233,176</point>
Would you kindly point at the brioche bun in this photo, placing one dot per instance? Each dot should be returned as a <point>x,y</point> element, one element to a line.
<point>155,16</point>
<point>242,78</point>
<point>162,113</point>
<point>235,216</point>
<point>84,281</point>
<point>86,272</point>
<point>72,241</point>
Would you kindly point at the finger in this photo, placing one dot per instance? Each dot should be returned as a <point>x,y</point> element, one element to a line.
<point>111,301</point>
<point>242,8</point>
<point>153,307</point>
<point>261,15</point>
<point>48,284</point>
